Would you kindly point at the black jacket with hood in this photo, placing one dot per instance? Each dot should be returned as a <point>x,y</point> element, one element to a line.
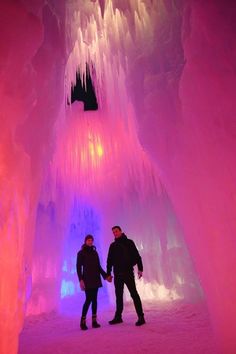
<point>89,268</point>
<point>123,256</point>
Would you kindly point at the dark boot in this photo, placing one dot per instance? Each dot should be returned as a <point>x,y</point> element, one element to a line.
<point>141,321</point>
<point>83,323</point>
<point>94,322</point>
<point>116,320</point>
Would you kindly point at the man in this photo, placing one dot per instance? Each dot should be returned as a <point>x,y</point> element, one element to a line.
<point>123,256</point>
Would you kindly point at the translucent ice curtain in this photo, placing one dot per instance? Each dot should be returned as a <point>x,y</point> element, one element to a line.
<point>157,157</point>
<point>31,91</point>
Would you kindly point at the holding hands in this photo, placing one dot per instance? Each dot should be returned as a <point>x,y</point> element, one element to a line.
<point>109,278</point>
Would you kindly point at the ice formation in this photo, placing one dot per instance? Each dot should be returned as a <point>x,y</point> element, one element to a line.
<point>157,157</point>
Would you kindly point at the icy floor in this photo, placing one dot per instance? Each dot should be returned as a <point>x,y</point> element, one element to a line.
<point>171,328</point>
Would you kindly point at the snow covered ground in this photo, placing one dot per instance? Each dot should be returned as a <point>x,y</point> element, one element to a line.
<point>176,327</point>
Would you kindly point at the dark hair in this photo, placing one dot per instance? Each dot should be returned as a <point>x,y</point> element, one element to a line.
<point>116,227</point>
<point>88,237</point>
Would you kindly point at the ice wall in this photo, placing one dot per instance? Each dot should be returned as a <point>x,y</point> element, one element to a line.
<point>186,120</point>
<point>31,94</point>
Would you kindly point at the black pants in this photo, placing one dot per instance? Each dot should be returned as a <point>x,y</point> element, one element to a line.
<point>91,297</point>
<point>119,281</point>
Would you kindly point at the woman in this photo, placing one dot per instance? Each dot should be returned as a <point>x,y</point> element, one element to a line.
<point>89,270</point>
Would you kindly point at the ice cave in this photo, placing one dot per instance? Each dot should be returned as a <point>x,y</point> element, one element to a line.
<point>118,112</point>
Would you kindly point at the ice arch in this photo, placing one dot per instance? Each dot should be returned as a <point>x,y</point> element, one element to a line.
<point>168,69</point>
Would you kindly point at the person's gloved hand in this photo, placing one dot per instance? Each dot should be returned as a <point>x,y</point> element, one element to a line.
<point>140,274</point>
<point>82,285</point>
<point>109,278</point>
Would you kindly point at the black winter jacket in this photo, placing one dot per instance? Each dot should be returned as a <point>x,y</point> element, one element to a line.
<point>123,256</point>
<point>89,268</point>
